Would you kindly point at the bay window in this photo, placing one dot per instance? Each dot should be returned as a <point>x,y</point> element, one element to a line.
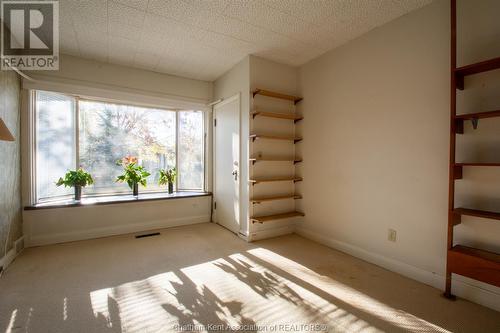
<point>73,132</point>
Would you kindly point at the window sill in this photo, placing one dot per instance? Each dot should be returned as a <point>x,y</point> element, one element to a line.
<point>116,199</point>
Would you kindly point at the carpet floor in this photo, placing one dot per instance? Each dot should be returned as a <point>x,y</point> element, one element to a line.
<point>204,278</point>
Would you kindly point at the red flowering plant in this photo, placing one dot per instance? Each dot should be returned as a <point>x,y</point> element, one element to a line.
<point>133,173</point>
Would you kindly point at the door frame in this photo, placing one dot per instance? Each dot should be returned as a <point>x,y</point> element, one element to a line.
<point>237,97</point>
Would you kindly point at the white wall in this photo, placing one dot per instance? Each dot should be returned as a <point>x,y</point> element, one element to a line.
<point>376,132</point>
<point>269,75</point>
<point>237,81</point>
<point>50,226</point>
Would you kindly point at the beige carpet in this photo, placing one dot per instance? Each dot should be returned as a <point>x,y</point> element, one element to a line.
<point>204,278</point>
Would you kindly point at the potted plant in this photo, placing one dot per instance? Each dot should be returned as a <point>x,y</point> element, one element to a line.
<point>133,174</point>
<point>168,176</point>
<point>77,179</point>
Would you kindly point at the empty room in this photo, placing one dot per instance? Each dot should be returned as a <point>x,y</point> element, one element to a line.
<point>250,166</point>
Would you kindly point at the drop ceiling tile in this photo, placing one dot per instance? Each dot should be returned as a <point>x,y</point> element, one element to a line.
<point>156,25</point>
<point>227,43</point>
<point>204,38</point>
<point>312,11</point>
<point>115,42</point>
<point>137,4</point>
<point>154,45</point>
<point>175,9</point>
<point>89,10</point>
<point>211,5</point>
<point>125,15</point>
<point>124,30</point>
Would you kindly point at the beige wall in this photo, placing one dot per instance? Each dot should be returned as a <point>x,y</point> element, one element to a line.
<point>376,144</point>
<point>10,163</point>
<point>50,226</point>
<point>95,79</point>
<point>116,77</point>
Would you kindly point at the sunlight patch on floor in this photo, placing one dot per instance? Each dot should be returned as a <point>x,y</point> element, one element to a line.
<point>347,294</point>
<point>234,291</point>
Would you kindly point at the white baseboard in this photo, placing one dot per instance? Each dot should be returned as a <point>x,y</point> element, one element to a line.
<point>460,288</point>
<point>9,257</point>
<point>55,238</point>
<point>269,233</point>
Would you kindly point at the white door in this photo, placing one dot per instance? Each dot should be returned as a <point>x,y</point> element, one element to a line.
<point>227,163</point>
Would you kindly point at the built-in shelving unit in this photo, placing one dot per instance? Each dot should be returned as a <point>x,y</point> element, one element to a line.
<point>276,115</point>
<point>274,159</point>
<point>467,261</point>
<point>273,94</point>
<point>276,179</point>
<point>275,137</point>
<point>270,199</point>
<point>267,218</point>
<point>259,200</point>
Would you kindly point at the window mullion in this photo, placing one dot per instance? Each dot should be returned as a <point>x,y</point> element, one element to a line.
<point>177,149</point>
<point>77,132</point>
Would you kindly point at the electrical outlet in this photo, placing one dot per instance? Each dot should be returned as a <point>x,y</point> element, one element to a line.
<point>392,235</point>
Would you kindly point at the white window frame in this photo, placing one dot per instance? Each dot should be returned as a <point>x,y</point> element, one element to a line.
<point>33,139</point>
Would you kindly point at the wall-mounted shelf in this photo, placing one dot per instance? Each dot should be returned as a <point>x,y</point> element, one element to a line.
<point>285,116</point>
<point>267,218</point>
<point>479,67</point>
<point>274,159</point>
<point>275,137</point>
<point>474,263</point>
<point>277,179</point>
<point>276,198</point>
<point>273,94</point>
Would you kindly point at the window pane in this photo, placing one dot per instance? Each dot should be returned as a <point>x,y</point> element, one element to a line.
<point>109,132</point>
<point>191,133</point>
<point>55,142</point>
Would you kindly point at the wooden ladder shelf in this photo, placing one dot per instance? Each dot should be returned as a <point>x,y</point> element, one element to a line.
<point>467,261</point>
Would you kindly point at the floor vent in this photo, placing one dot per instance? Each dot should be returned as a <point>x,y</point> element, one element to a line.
<point>148,235</point>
